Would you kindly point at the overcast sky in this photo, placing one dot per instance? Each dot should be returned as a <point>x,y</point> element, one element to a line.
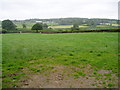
<point>26,9</point>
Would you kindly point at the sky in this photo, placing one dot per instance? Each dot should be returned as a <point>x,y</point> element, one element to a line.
<point>44,9</point>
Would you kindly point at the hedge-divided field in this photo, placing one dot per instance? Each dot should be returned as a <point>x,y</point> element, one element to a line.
<point>23,50</point>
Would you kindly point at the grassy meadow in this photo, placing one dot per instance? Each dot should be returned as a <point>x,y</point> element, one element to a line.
<point>23,50</point>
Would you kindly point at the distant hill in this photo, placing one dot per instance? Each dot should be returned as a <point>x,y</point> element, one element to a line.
<point>70,21</point>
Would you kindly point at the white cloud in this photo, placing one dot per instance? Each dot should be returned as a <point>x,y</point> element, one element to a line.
<point>25,9</point>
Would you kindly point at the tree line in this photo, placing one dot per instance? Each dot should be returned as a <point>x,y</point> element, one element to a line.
<point>8,25</point>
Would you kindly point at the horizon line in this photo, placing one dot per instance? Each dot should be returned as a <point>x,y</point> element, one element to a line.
<point>57,18</point>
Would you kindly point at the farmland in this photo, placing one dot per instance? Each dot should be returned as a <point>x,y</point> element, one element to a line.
<point>81,26</point>
<point>75,58</point>
<point>64,26</point>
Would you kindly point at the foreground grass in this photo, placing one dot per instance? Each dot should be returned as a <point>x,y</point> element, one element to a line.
<point>100,50</point>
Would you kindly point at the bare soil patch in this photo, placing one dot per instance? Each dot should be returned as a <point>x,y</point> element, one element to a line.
<point>60,76</point>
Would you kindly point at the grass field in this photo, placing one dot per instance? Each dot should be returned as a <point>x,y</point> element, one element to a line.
<point>21,51</point>
<point>66,26</point>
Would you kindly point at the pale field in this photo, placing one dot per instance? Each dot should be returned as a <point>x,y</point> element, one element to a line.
<point>64,26</point>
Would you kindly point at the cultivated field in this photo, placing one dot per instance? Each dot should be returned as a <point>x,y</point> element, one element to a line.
<point>76,60</point>
<point>80,26</point>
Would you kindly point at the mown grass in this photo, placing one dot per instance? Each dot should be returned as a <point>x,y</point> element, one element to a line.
<point>100,50</point>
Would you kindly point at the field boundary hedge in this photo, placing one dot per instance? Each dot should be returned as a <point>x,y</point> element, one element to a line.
<point>74,31</point>
<point>105,30</point>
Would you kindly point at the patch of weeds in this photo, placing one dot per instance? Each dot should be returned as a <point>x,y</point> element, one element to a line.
<point>81,73</point>
<point>93,84</point>
<point>73,51</point>
<point>37,69</point>
<point>98,74</point>
<point>98,54</point>
<point>41,65</point>
<point>65,60</point>
<point>98,78</point>
<point>106,46</point>
<point>95,69</point>
<point>105,63</point>
<point>76,76</point>
<point>50,67</point>
<point>66,64</point>
<point>92,75</point>
<point>14,85</point>
<point>86,77</point>
<point>108,78</point>
<point>34,69</point>
<point>95,73</point>
<point>20,67</point>
<point>54,70</point>
<point>45,57</point>
<point>104,82</point>
<point>91,51</point>
<point>110,84</point>
<point>104,87</point>
<point>71,54</point>
<point>73,62</point>
<point>6,80</point>
<point>10,65</point>
<point>18,76</point>
<point>83,60</point>
<point>107,74</point>
<point>81,66</point>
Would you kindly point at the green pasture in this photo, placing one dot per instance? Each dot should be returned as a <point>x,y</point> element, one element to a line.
<point>100,50</point>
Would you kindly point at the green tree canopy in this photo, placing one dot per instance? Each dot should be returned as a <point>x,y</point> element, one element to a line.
<point>75,27</point>
<point>37,26</point>
<point>8,25</point>
<point>45,26</point>
<point>24,26</point>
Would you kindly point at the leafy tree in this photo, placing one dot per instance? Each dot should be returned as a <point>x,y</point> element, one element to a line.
<point>4,31</point>
<point>75,27</point>
<point>91,23</point>
<point>8,25</point>
<point>45,26</point>
<point>37,26</point>
<point>24,26</point>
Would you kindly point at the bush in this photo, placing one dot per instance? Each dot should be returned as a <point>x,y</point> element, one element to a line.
<point>4,31</point>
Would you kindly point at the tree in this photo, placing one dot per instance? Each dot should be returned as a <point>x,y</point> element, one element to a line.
<point>45,26</point>
<point>4,31</point>
<point>75,27</point>
<point>91,23</point>
<point>8,25</point>
<point>37,26</point>
<point>24,26</point>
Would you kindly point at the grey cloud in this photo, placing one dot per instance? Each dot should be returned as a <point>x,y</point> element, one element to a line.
<point>24,9</point>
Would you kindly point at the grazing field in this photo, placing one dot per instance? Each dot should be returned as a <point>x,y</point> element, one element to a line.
<point>60,60</point>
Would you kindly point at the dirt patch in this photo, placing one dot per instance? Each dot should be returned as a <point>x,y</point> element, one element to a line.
<point>60,76</point>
